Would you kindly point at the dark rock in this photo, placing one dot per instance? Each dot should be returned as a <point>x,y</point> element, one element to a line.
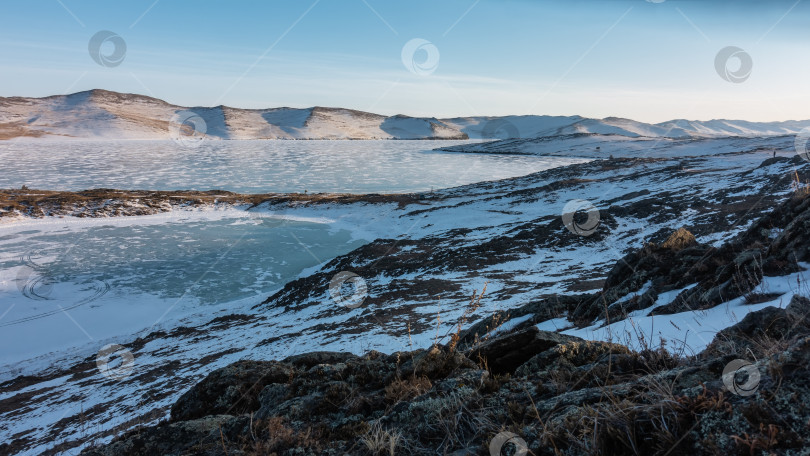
<point>679,240</point>
<point>769,322</point>
<point>541,310</point>
<point>505,353</point>
<point>270,400</point>
<point>473,379</point>
<point>574,354</point>
<point>199,436</point>
<point>799,309</point>
<point>307,360</point>
<point>754,332</point>
<point>438,362</point>
<point>230,390</point>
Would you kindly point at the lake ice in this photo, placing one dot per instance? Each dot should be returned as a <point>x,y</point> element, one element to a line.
<point>256,166</point>
<point>68,282</point>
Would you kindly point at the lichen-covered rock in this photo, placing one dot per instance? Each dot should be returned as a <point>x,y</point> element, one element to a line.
<point>437,362</point>
<point>799,309</point>
<point>577,396</point>
<point>307,360</point>
<point>571,354</point>
<point>200,436</point>
<point>505,353</point>
<point>231,390</point>
<point>760,332</point>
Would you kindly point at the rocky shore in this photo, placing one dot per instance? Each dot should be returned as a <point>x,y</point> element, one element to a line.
<point>426,253</point>
<point>520,390</point>
<point>31,203</point>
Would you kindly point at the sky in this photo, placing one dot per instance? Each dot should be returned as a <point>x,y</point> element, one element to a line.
<point>647,60</point>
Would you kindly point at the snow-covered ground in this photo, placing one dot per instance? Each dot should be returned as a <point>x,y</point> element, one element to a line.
<point>420,262</point>
<point>684,332</point>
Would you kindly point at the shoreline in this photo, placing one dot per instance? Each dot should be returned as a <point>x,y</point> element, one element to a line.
<point>507,233</point>
<point>99,203</point>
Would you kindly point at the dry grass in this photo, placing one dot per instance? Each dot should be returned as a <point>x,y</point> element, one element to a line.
<point>475,303</point>
<point>799,188</point>
<point>381,441</point>
<point>272,437</point>
<point>648,424</point>
<point>766,439</point>
<point>408,388</point>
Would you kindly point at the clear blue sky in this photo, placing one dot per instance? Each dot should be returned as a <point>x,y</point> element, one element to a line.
<point>638,59</point>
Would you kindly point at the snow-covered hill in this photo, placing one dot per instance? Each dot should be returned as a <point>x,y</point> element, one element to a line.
<point>101,114</point>
<point>516,127</point>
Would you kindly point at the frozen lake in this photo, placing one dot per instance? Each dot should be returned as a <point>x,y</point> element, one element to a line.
<point>67,283</point>
<point>256,166</point>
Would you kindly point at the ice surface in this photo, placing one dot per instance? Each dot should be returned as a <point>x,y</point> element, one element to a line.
<point>69,282</point>
<point>256,166</point>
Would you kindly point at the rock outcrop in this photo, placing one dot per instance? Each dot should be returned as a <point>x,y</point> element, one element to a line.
<point>574,396</point>
<point>747,393</point>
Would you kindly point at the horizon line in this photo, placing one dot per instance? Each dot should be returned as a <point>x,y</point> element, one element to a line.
<point>400,114</point>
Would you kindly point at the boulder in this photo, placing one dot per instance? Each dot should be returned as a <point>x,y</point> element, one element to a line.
<point>679,240</point>
<point>505,353</point>
<point>753,332</point>
<point>307,360</point>
<point>573,354</point>
<point>799,309</point>
<point>201,436</point>
<point>230,390</point>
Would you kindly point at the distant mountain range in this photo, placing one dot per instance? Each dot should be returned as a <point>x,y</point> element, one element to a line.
<point>102,114</point>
